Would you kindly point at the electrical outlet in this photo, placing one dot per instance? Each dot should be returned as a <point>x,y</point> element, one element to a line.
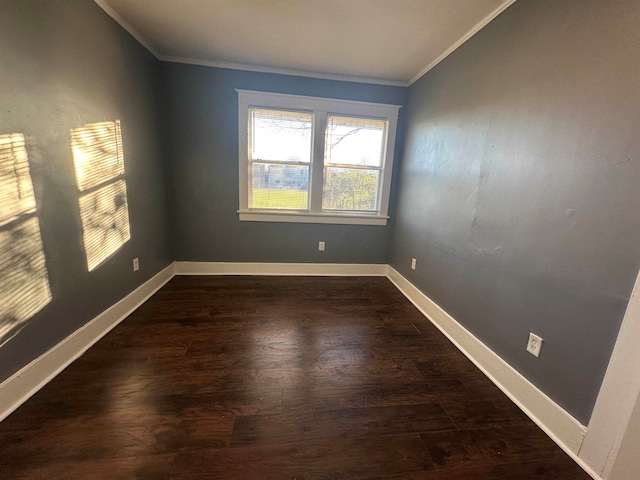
<point>136,264</point>
<point>321,246</point>
<point>534,345</point>
<point>413,263</point>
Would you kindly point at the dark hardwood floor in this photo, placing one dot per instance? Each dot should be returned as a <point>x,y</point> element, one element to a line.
<point>276,378</point>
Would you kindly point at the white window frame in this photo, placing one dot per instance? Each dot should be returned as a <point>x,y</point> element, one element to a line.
<point>321,109</point>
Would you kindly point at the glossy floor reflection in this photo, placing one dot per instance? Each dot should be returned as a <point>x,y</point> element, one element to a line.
<point>276,378</point>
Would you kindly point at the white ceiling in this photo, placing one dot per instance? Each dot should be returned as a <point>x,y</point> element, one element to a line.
<point>382,41</point>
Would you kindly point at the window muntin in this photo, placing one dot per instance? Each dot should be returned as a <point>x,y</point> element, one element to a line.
<point>345,179</point>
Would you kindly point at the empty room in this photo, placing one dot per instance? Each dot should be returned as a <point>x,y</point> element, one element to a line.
<point>319,239</point>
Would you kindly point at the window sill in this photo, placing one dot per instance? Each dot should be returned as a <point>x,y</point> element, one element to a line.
<point>302,217</point>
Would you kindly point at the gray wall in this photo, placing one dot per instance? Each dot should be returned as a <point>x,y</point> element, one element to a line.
<point>64,64</point>
<point>519,187</point>
<point>202,108</point>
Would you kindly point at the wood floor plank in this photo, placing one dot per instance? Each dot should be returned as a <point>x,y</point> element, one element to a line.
<point>335,397</point>
<point>311,426</point>
<point>336,458</point>
<point>235,377</point>
<point>465,448</point>
<point>551,468</point>
<point>449,365</point>
<point>147,467</point>
<point>485,412</point>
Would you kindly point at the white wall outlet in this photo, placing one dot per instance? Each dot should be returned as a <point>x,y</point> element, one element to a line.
<point>413,263</point>
<point>136,264</point>
<point>321,246</point>
<point>534,345</point>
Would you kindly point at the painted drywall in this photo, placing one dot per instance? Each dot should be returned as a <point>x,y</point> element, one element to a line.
<point>65,64</point>
<point>201,106</point>
<point>518,189</point>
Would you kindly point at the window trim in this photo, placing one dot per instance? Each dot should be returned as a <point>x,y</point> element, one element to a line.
<point>321,108</point>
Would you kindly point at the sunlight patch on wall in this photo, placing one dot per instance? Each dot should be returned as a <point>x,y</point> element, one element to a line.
<point>16,189</point>
<point>99,165</point>
<point>105,222</point>
<point>97,153</point>
<point>24,282</point>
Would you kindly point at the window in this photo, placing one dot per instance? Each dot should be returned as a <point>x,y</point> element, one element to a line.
<point>279,159</point>
<point>24,282</point>
<point>314,160</point>
<point>99,166</point>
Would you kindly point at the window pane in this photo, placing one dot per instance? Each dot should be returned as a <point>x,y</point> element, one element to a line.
<point>97,153</point>
<point>351,189</point>
<point>354,141</point>
<point>279,186</point>
<point>105,222</point>
<point>16,190</point>
<point>278,136</point>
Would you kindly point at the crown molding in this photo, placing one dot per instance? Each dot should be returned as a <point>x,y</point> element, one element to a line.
<point>295,72</point>
<point>282,71</point>
<point>241,66</point>
<point>477,27</point>
<point>120,21</point>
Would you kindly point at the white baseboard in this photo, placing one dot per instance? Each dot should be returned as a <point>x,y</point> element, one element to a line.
<point>557,423</point>
<point>18,388</point>
<point>302,269</point>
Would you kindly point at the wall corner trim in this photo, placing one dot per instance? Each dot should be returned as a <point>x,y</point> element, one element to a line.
<point>23,384</point>
<point>613,412</point>
<point>302,269</point>
<point>557,423</point>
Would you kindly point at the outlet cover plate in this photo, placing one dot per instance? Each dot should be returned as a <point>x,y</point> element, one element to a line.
<point>535,344</point>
